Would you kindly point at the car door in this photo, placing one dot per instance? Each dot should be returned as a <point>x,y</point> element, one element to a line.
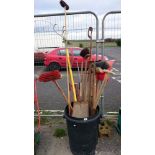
<point>61,57</point>
<point>77,59</point>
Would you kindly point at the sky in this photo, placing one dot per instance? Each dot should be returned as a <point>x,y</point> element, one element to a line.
<point>99,7</point>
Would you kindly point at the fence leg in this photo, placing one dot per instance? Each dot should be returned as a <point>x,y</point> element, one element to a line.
<point>102,104</point>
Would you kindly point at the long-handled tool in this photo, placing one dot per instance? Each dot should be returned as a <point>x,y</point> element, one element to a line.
<point>85,53</point>
<point>102,74</point>
<point>79,77</point>
<point>36,132</point>
<point>101,89</point>
<point>90,31</point>
<point>81,81</point>
<point>37,104</point>
<point>53,76</point>
<point>68,64</point>
<point>86,92</point>
<point>81,108</point>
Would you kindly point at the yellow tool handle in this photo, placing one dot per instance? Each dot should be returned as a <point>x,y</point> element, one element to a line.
<point>69,102</point>
<point>71,76</point>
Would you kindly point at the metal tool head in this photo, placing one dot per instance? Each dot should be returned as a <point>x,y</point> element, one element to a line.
<point>90,31</point>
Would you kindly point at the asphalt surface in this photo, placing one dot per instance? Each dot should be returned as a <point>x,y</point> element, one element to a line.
<point>50,98</point>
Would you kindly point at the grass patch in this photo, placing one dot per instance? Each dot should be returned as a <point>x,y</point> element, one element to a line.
<point>118,42</point>
<point>107,122</point>
<point>59,132</point>
<point>35,122</point>
<point>49,121</point>
<point>43,112</point>
<point>43,121</point>
<point>86,43</point>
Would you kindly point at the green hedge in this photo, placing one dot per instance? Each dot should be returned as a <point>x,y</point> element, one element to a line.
<point>118,42</point>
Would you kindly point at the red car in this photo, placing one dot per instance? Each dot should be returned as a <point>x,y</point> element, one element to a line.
<point>39,58</point>
<point>56,59</point>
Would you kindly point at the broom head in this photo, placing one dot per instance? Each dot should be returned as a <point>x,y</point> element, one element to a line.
<point>85,53</point>
<point>50,76</point>
<point>100,74</point>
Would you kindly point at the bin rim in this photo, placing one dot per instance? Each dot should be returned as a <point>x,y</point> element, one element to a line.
<point>82,120</point>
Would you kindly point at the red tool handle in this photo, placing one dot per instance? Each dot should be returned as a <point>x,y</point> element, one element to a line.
<point>64,4</point>
<point>36,103</point>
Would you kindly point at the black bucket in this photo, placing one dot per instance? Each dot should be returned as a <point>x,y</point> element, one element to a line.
<point>83,133</point>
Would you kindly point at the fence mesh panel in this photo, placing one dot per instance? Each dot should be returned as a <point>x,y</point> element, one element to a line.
<point>111,35</point>
<point>77,27</point>
<point>112,26</point>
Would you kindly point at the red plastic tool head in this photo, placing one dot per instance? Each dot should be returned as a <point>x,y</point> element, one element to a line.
<point>50,76</point>
<point>101,75</point>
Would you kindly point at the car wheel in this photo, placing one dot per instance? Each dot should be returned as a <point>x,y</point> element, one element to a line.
<point>53,66</point>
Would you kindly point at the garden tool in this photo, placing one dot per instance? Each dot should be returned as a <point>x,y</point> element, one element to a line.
<point>68,64</point>
<point>69,70</point>
<point>36,103</point>
<point>90,31</point>
<point>36,132</point>
<point>53,76</point>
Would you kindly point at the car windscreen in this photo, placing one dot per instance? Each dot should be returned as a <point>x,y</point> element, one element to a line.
<point>76,52</point>
<point>62,52</point>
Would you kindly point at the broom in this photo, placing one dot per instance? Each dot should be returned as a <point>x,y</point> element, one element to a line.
<point>103,71</point>
<point>53,76</point>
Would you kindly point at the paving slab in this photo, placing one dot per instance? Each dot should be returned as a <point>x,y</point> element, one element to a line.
<point>50,145</point>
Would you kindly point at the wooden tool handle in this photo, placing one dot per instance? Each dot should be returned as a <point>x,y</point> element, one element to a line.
<point>61,90</point>
<point>77,91</point>
<point>94,86</point>
<point>81,82</point>
<point>101,89</point>
<point>108,71</point>
<point>84,82</point>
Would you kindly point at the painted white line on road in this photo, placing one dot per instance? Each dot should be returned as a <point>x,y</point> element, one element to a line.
<point>52,110</point>
<point>49,115</point>
<point>117,74</point>
<point>116,79</point>
<point>115,69</point>
<point>119,81</point>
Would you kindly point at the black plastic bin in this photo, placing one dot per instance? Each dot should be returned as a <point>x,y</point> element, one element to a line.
<point>83,133</point>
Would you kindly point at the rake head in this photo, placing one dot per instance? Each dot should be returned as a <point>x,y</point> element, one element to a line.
<point>50,76</point>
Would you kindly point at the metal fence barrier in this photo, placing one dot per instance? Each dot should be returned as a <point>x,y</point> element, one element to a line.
<point>47,28</point>
<point>111,27</point>
<point>111,33</point>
